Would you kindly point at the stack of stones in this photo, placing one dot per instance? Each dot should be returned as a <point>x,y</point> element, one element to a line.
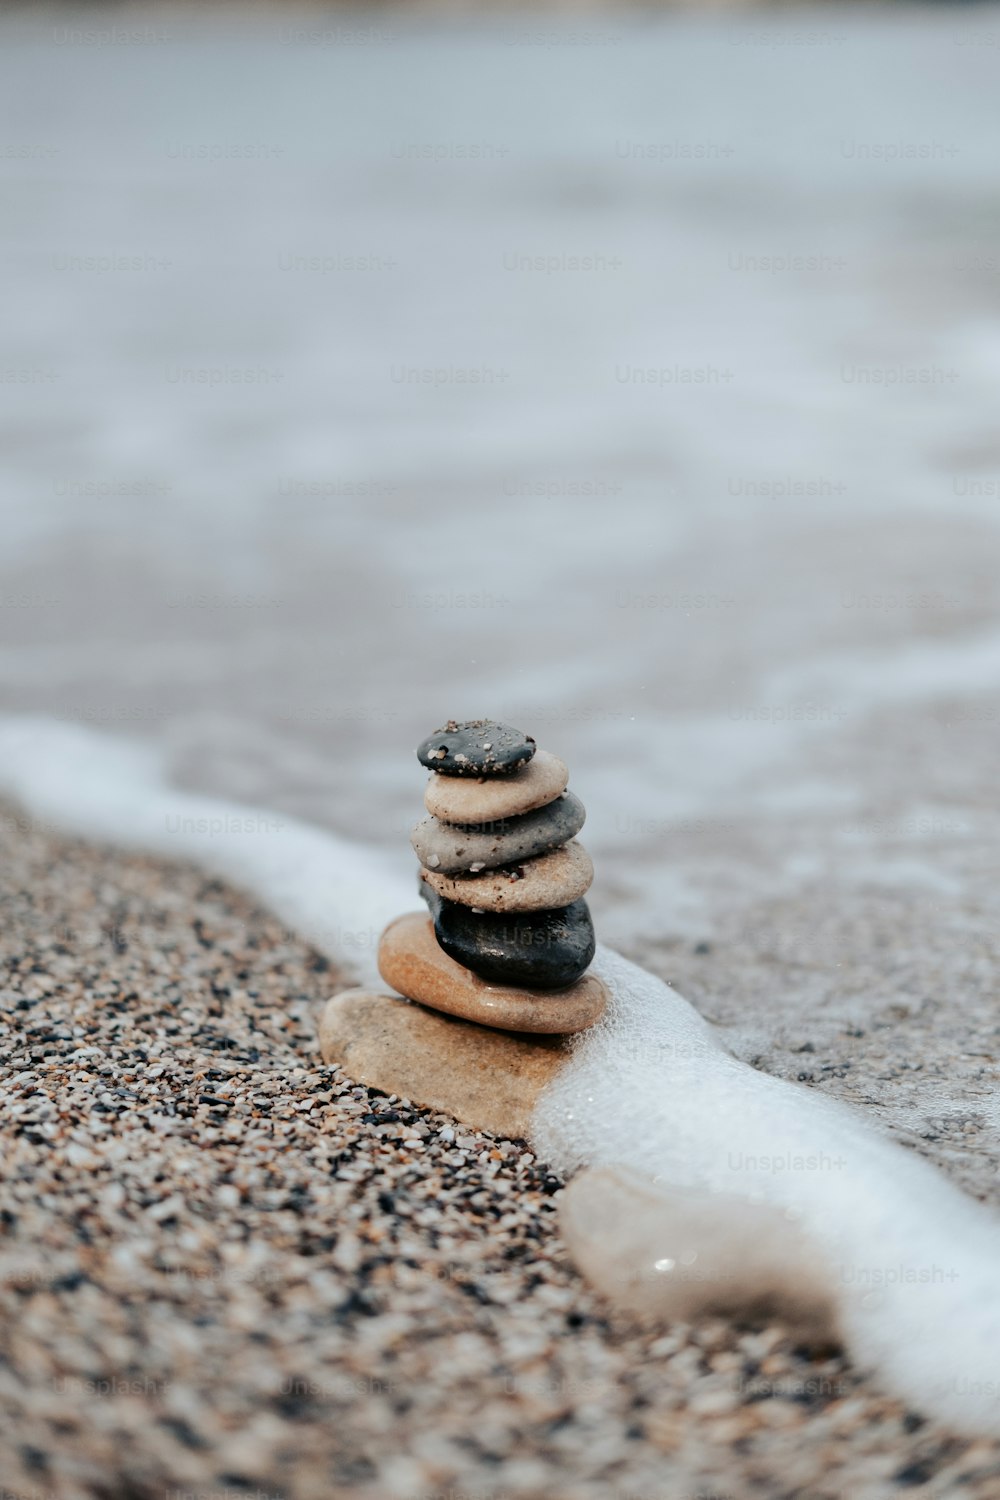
<point>510,936</point>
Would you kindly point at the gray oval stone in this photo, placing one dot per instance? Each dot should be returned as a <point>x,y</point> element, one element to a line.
<point>453,849</point>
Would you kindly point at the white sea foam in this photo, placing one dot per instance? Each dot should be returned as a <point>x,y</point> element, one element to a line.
<point>915,1263</point>
<point>337,894</point>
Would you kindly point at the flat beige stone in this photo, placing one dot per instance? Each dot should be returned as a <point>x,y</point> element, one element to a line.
<point>490,1080</point>
<point>410,961</point>
<point>456,799</point>
<point>540,884</point>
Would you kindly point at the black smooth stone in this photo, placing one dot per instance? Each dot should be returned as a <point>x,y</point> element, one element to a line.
<point>539,950</point>
<point>480,747</point>
<point>430,895</point>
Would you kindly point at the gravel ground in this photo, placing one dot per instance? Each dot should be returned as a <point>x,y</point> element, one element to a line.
<point>229,1272</point>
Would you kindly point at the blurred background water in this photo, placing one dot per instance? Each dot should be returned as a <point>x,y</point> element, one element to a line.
<point>628,376</point>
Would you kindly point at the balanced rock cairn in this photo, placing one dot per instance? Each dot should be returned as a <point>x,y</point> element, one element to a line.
<point>510,936</point>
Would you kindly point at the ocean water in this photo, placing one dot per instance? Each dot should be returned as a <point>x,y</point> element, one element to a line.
<point>630,377</point>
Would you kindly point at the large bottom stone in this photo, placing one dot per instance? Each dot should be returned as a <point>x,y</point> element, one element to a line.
<point>411,961</point>
<point>544,950</point>
<point>490,1080</point>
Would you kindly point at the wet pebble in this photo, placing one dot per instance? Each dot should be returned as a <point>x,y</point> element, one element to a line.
<point>477,747</point>
<point>544,950</point>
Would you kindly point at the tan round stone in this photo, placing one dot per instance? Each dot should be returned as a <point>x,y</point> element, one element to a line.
<point>539,884</point>
<point>457,799</point>
<point>488,1079</point>
<point>411,962</point>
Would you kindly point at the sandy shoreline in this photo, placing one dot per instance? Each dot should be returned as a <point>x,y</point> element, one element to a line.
<point>228,1270</point>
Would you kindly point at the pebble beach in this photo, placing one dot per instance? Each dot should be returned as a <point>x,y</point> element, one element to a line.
<point>229,1272</point>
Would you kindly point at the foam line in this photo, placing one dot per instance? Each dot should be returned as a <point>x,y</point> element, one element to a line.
<point>915,1264</point>
<point>337,894</point>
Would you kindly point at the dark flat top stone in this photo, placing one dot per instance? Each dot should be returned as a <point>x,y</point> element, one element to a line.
<point>479,747</point>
